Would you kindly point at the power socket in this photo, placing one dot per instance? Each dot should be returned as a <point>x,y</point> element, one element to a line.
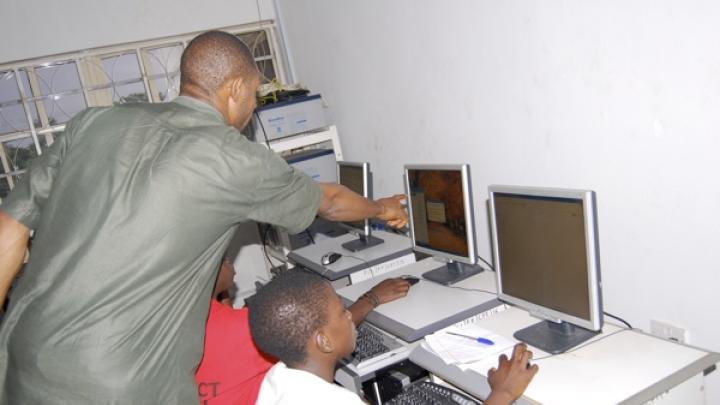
<point>669,331</point>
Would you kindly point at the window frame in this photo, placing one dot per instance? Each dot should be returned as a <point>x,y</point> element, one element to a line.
<point>92,85</point>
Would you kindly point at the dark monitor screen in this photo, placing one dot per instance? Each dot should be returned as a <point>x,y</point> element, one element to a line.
<point>542,247</point>
<point>547,262</point>
<point>354,177</point>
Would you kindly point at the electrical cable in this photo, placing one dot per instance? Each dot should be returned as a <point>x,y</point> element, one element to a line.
<point>351,256</point>
<point>619,319</point>
<point>264,243</point>
<point>486,262</point>
<point>257,4</point>
<point>262,127</point>
<point>471,289</point>
<point>357,258</point>
<point>257,40</point>
<point>309,234</point>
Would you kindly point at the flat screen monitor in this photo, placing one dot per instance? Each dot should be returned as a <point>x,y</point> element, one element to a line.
<point>441,218</point>
<point>545,246</point>
<point>356,177</point>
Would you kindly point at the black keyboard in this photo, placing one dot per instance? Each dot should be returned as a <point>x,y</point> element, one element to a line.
<point>426,392</point>
<point>370,343</point>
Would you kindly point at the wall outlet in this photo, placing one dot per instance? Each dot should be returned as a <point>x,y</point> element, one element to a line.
<point>669,331</point>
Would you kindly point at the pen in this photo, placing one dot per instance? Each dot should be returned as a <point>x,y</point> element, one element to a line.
<point>478,339</point>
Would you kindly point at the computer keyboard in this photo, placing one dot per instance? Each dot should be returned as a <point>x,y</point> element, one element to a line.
<point>373,346</point>
<point>426,392</point>
<point>369,344</point>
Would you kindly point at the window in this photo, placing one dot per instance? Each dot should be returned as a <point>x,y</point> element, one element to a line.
<point>37,97</point>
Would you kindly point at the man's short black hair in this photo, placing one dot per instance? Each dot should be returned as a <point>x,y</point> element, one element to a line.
<point>286,312</point>
<point>212,58</point>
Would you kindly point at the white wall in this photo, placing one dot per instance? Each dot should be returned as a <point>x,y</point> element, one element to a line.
<point>33,28</point>
<point>619,96</point>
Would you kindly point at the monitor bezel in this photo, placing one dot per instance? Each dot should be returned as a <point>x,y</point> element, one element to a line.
<point>464,170</point>
<point>589,204</point>
<point>367,193</point>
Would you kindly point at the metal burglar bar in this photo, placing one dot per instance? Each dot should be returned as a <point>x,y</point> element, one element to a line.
<point>38,96</point>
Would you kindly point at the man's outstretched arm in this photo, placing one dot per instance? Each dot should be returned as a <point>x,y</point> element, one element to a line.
<point>339,203</point>
<point>13,242</point>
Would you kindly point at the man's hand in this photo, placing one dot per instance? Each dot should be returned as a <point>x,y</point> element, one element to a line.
<point>390,290</point>
<point>13,242</point>
<point>339,203</point>
<point>394,213</point>
<point>510,379</point>
<point>382,293</point>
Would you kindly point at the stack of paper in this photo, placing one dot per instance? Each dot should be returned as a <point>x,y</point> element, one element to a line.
<point>468,351</point>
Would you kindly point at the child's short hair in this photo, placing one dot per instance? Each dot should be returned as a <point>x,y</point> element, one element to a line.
<point>284,314</point>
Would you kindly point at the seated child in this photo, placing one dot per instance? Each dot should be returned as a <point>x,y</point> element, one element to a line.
<point>298,318</point>
<point>232,367</point>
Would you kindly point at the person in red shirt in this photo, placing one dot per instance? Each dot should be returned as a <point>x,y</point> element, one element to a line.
<point>233,368</point>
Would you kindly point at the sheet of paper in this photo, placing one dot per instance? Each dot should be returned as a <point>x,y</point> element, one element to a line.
<point>482,366</point>
<point>460,350</point>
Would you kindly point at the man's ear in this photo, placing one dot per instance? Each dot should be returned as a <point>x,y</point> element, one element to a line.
<point>323,342</point>
<point>237,89</point>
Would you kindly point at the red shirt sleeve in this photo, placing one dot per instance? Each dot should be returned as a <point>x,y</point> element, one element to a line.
<point>232,368</point>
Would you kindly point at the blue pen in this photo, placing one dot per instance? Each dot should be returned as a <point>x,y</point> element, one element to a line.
<point>478,339</point>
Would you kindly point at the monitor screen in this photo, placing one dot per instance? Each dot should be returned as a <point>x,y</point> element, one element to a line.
<point>441,219</point>
<point>546,255</point>
<point>354,176</point>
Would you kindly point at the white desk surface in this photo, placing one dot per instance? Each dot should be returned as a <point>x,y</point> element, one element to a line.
<point>309,256</point>
<point>619,366</point>
<point>428,306</point>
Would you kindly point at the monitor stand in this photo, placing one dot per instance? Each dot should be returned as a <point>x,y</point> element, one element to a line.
<point>362,243</point>
<point>552,337</point>
<point>452,273</point>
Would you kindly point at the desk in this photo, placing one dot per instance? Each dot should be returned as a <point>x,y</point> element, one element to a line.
<point>619,367</point>
<point>428,307</point>
<point>395,248</point>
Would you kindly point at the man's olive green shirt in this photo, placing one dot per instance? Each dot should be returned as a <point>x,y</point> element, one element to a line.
<point>132,208</point>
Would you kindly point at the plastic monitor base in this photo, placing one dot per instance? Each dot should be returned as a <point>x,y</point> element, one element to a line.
<point>362,243</point>
<point>552,337</point>
<point>452,273</point>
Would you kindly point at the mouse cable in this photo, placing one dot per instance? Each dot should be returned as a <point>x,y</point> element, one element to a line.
<point>469,289</point>
<point>357,258</point>
<point>342,255</point>
<point>619,319</point>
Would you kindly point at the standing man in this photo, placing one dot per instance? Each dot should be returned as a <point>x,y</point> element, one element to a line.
<point>132,210</point>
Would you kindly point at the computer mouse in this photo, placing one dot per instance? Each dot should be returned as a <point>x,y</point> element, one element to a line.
<point>411,279</point>
<point>330,258</point>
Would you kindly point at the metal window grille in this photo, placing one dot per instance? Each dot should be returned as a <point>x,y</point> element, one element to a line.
<point>37,97</point>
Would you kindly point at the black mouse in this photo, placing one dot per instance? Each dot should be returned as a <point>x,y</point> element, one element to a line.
<point>411,279</point>
<point>330,258</point>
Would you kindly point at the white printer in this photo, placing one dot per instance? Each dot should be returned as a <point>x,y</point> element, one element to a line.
<point>286,118</point>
